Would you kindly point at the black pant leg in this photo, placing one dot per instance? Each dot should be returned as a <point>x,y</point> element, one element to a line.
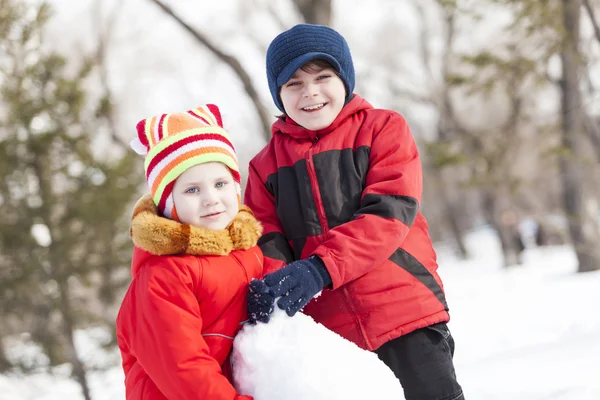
<point>422,361</point>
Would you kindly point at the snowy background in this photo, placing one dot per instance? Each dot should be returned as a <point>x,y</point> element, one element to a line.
<point>531,332</point>
<point>527,333</point>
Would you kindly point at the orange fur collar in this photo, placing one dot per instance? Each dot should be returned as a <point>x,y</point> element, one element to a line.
<point>161,236</point>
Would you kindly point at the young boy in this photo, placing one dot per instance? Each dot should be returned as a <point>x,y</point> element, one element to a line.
<point>338,189</point>
<point>195,253</point>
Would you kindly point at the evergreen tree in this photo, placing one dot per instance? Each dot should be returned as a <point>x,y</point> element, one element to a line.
<point>64,244</point>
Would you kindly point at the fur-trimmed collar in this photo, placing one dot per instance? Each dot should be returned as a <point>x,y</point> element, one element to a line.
<point>161,236</point>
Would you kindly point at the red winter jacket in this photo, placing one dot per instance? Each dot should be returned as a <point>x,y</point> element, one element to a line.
<point>177,322</point>
<point>350,194</point>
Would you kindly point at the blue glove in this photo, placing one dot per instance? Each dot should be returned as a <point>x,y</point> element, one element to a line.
<point>297,283</point>
<point>260,302</point>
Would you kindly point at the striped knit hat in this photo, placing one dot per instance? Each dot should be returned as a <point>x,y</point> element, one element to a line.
<point>172,143</point>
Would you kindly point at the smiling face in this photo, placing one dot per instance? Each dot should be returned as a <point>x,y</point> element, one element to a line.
<point>205,195</point>
<point>313,97</point>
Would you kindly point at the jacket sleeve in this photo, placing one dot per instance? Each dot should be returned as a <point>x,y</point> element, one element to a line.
<point>273,243</point>
<point>389,206</point>
<point>167,339</point>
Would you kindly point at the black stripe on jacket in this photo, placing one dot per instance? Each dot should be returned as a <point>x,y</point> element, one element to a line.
<point>274,245</point>
<point>294,202</point>
<point>410,264</point>
<point>403,208</point>
<point>345,172</point>
<point>341,175</point>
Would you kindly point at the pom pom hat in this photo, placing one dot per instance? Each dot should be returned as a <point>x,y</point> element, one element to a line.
<point>172,143</point>
<point>301,44</point>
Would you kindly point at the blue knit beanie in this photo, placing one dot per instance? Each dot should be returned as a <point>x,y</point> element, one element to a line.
<point>301,44</point>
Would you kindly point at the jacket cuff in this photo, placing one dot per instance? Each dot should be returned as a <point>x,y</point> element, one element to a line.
<point>319,265</point>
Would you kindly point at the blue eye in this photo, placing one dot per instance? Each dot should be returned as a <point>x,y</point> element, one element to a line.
<point>321,77</point>
<point>192,190</point>
<point>220,185</point>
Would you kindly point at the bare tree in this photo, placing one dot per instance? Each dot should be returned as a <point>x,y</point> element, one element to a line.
<point>231,61</point>
<point>103,36</point>
<point>441,166</point>
<point>584,233</point>
<point>505,75</point>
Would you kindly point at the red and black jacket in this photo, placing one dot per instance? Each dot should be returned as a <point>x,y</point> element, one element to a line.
<point>350,194</point>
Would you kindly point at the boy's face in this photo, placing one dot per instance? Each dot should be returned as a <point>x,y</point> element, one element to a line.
<point>313,99</point>
<point>205,195</point>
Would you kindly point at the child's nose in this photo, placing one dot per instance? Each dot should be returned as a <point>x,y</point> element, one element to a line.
<point>309,90</point>
<point>210,198</point>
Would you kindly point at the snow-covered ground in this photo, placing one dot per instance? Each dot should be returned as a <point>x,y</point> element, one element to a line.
<point>530,332</point>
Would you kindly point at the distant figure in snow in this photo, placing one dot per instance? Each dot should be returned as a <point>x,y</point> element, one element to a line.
<point>338,190</point>
<point>195,254</point>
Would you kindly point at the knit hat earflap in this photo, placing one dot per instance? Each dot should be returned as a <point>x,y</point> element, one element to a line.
<point>172,143</point>
<point>301,44</point>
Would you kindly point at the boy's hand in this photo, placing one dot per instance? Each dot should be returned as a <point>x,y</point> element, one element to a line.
<point>260,302</point>
<point>297,283</point>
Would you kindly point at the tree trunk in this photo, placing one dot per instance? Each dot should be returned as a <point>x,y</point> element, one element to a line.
<point>450,213</point>
<point>582,228</point>
<point>508,234</point>
<point>315,11</point>
<point>447,124</point>
<point>69,330</point>
<point>457,233</point>
<point>5,364</point>
<point>64,303</point>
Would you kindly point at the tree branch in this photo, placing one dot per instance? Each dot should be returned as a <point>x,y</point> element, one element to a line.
<point>231,61</point>
<point>590,11</point>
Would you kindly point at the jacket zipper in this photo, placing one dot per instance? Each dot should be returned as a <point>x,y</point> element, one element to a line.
<point>325,228</point>
<point>316,192</point>
<point>358,323</point>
